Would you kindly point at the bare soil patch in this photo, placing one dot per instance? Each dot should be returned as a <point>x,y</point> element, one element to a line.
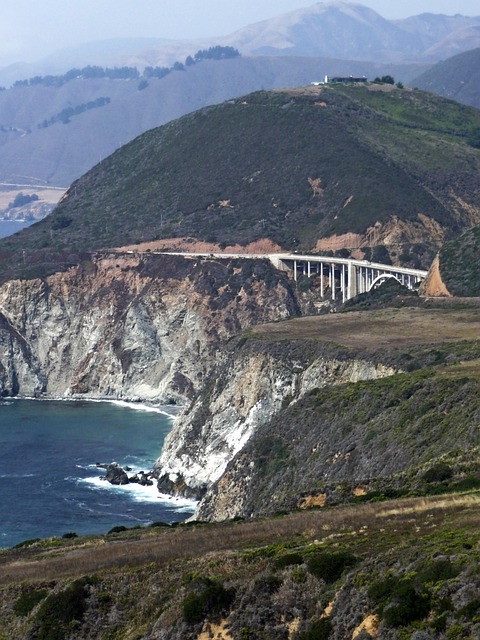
<point>192,245</point>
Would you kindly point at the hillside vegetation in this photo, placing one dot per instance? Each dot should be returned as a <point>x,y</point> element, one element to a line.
<point>293,166</point>
<point>61,153</point>
<point>388,570</point>
<point>460,265</point>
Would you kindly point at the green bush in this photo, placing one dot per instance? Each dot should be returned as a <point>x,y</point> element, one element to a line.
<point>438,571</point>
<point>288,560</point>
<point>439,623</point>
<point>118,529</point>
<point>399,602</point>
<point>381,590</point>
<point>470,610</point>
<point>438,473</point>
<point>330,566</point>
<point>319,630</point>
<point>209,597</point>
<point>27,543</point>
<point>408,606</point>
<point>61,610</point>
<point>28,600</point>
<point>267,585</point>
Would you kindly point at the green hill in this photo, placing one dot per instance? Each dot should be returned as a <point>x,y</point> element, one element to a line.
<point>459,264</point>
<point>62,152</point>
<point>294,166</point>
<point>457,78</point>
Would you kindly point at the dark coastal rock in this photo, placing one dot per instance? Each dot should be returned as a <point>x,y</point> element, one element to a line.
<point>116,475</point>
<point>142,478</point>
<point>179,488</point>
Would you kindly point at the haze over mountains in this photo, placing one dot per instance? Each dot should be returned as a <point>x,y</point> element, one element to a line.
<point>338,29</point>
<point>457,78</point>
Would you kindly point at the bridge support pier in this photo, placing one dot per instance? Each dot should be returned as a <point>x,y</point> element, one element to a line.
<point>346,277</point>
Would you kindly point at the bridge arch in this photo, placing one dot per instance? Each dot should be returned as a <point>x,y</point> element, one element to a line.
<point>383,278</point>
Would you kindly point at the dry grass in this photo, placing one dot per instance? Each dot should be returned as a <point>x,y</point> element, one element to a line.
<point>379,329</point>
<point>470,369</point>
<point>404,519</point>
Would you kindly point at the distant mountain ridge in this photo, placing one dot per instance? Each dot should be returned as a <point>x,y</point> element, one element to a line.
<point>344,30</point>
<point>457,78</point>
<point>338,29</point>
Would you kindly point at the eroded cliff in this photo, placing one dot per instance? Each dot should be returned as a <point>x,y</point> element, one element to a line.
<point>251,382</point>
<point>132,327</point>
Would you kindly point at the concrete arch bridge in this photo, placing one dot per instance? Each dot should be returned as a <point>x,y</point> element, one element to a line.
<point>344,278</point>
<point>340,278</point>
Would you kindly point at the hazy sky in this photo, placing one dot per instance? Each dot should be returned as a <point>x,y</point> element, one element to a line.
<point>30,30</point>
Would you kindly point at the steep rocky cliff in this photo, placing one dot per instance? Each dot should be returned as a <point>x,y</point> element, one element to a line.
<point>251,383</point>
<point>132,327</point>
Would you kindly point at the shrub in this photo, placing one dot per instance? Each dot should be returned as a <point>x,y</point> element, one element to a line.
<point>288,560</point>
<point>118,529</point>
<point>439,623</point>
<point>27,543</point>
<point>408,605</point>
<point>60,610</point>
<point>266,585</point>
<point>438,571</point>
<point>69,535</point>
<point>438,473</point>
<point>470,610</point>
<point>330,566</point>
<point>209,597</point>
<point>319,630</point>
<point>28,600</point>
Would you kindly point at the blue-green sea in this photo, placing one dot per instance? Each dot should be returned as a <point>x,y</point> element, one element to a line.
<point>7,227</point>
<point>49,482</point>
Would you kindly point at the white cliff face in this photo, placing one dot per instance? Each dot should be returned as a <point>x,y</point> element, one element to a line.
<point>248,389</point>
<point>125,327</point>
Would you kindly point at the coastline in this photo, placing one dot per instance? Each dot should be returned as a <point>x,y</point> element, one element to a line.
<point>170,411</point>
<point>58,471</point>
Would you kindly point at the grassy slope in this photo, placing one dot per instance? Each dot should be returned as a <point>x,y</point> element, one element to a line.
<point>264,575</point>
<point>239,171</point>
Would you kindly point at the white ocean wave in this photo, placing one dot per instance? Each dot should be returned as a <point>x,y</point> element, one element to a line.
<point>169,411</point>
<point>139,493</point>
<point>17,475</point>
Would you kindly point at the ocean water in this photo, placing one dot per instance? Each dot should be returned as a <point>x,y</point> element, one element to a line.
<point>7,227</point>
<point>49,482</point>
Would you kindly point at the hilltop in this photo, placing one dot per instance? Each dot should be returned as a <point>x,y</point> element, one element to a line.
<point>91,115</point>
<point>325,168</point>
